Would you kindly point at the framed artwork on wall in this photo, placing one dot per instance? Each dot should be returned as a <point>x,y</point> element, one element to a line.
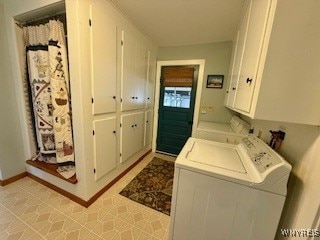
<point>215,81</point>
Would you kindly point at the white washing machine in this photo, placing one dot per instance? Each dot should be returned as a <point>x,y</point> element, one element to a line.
<point>231,132</point>
<point>226,191</point>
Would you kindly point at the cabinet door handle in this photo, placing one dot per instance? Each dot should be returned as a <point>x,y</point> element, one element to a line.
<point>132,126</point>
<point>132,97</point>
<point>135,125</point>
<point>249,80</point>
<point>234,88</point>
<point>114,97</point>
<point>114,132</point>
<point>136,97</point>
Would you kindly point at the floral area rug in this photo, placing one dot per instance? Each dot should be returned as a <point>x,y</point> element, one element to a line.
<point>152,187</point>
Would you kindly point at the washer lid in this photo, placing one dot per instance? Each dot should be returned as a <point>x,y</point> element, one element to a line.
<point>217,155</point>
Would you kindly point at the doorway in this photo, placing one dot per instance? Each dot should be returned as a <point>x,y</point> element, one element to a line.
<point>178,85</point>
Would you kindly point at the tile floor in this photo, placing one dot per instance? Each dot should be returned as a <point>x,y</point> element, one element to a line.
<point>29,210</point>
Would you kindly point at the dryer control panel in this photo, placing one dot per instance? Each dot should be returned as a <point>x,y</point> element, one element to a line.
<point>262,156</point>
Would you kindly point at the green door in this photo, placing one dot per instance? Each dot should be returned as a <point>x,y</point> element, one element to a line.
<point>176,106</point>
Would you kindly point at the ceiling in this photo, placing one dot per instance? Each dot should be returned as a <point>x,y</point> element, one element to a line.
<point>183,22</point>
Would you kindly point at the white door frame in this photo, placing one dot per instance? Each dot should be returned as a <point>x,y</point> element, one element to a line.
<point>160,64</point>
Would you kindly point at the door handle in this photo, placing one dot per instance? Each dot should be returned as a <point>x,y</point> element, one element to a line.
<point>249,80</point>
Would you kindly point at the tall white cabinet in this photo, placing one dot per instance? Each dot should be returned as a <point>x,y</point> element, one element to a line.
<point>112,68</point>
<point>103,36</point>
<point>274,67</point>
<point>120,69</point>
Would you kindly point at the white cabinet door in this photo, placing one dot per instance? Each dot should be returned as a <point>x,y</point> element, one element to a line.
<point>105,145</point>
<point>129,46</point>
<point>148,128</point>
<point>140,80</point>
<point>138,131</point>
<point>127,125</point>
<point>258,16</point>
<point>133,71</point>
<point>132,131</point>
<point>151,77</point>
<point>238,56</point>
<point>103,33</point>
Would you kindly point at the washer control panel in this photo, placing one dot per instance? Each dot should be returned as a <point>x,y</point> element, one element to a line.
<point>262,156</point>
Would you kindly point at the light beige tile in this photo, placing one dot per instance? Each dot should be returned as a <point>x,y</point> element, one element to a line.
<point>29,210</point>
<point>30,234</point>
<point>107,225</point>
<point>12,227</point>
<point>91,217</point>
<point>146,236</point>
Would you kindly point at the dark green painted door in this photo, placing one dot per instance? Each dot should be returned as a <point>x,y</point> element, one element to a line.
<point>175,118</point>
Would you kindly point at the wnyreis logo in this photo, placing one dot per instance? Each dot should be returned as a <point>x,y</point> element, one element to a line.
<point>300,232</point>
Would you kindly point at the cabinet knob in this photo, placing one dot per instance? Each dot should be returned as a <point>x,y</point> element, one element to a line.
<point>132,126</point>
<point>114,131</point>
<point>147,121</point>
<point>135,125</point>
<point>114,97</point>
<point>132,97</point>
<point>234,88</point>
<point>148,98</point>
<point>136,97</point>
<point>249,80</point>
<point>227,91</point>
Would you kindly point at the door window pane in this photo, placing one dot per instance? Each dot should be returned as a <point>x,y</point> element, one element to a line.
<point>177,97</point>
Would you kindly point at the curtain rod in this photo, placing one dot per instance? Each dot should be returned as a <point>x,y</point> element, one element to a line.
<point>42,18</point>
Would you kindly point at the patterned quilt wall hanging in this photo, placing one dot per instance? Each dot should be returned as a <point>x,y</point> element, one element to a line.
<point>48,77</point>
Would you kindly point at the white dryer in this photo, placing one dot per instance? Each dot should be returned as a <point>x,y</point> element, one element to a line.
<point>226,191</point>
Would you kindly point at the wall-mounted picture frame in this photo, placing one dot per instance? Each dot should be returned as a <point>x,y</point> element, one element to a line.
<point>215,81</point>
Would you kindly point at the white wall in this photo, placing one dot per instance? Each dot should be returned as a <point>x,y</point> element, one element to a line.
<point>301,148</point>
<point>11,145</point>
<point>217,56</point>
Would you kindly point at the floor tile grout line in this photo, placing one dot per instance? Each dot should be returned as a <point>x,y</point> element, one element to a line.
<point>143,164</point>
<point>146,209</point>
<point>24,222</point>
<point>90,231</point>
<point>73,219</point>
<point>58,210</point>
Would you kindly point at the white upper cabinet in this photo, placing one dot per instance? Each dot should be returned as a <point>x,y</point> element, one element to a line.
<point>256,20</point>
<point>274,74</point>
<point>238,55</point>
<point>151,76</point>
<point>103,35</point>
<point>133,71</point>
